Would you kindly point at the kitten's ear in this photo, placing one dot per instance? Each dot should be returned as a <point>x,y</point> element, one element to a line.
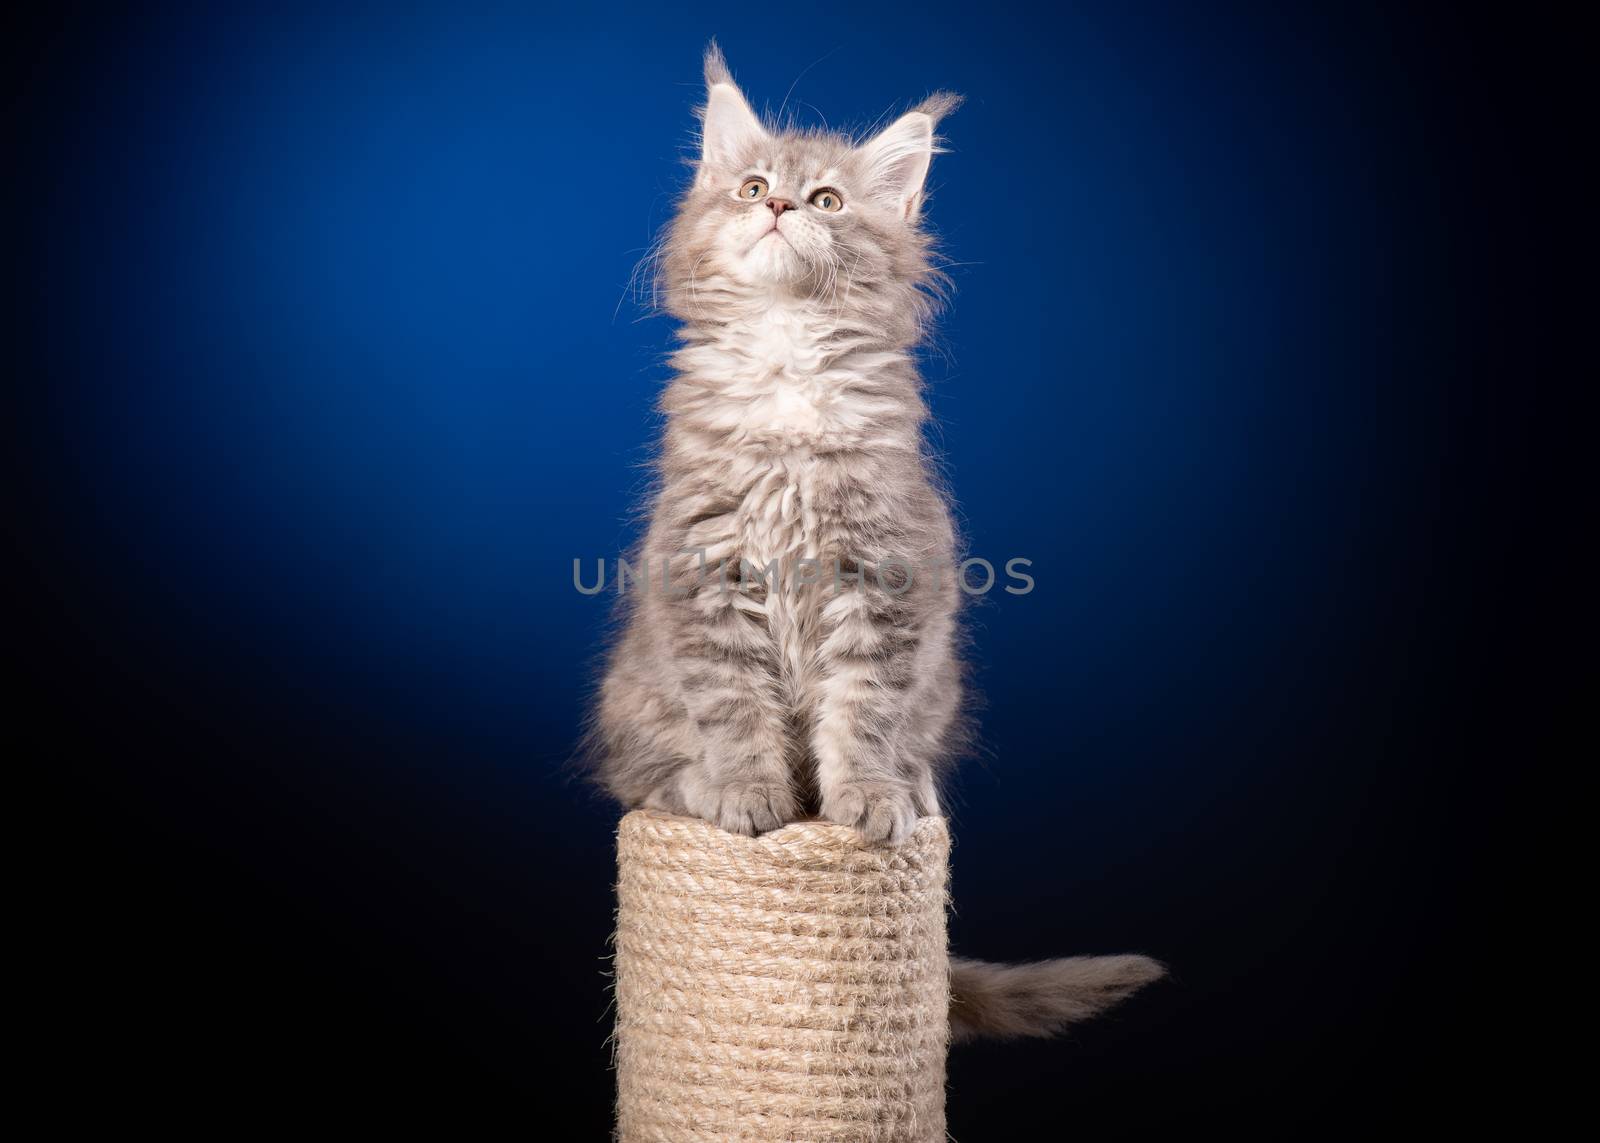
<point>727,125</point>
<point>897,157</point>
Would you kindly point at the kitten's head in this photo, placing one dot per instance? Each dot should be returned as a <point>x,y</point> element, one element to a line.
<point>803,213</point>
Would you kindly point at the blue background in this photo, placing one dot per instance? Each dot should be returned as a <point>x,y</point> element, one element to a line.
<point>336,369</point>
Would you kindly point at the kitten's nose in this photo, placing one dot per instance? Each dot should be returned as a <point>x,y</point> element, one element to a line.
<point>778,206</point>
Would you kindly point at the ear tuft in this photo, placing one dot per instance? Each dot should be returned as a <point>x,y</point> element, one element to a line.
<point>938,105</point>
<point>716,67</point>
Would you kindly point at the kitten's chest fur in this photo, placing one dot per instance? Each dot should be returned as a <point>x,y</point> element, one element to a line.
<point>776,394</point>
<point>782,408</point>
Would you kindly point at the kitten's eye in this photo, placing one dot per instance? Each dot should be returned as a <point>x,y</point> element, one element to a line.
<point>753,189</point>
<point>827,199</point>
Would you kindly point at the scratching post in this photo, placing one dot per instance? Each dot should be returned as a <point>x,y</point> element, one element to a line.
<point>793,986</point>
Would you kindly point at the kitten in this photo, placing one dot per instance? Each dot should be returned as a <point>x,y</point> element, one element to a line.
<point>790,641</point>
<point>794,432</point>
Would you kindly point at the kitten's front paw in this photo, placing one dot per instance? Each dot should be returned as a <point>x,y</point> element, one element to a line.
<point>879,811</point>
<point>752,807</point>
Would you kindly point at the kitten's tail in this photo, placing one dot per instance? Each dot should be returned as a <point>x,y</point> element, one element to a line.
<point>1042,998</point>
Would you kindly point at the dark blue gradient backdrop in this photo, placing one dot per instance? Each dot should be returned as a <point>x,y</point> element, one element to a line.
<point>333,369</point>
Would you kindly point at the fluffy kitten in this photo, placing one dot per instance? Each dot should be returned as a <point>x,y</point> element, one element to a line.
<point>794,432</point>
<point>790,643</point>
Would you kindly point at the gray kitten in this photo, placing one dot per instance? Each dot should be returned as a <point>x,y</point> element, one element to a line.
<point>790,641</point>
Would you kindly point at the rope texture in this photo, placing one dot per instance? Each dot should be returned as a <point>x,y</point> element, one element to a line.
<point>793,986</point>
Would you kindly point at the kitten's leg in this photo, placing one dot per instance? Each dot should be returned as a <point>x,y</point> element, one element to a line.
<point>868,659</point>
<point>931,733</point>
<point>643,735</point>
<point>728,674</point>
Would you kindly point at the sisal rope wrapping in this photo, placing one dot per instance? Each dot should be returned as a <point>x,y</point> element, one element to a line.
<point>793,986</point>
